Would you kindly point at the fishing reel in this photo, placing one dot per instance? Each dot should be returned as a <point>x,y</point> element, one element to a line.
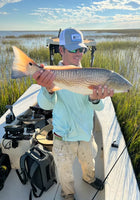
<point>10,117</point>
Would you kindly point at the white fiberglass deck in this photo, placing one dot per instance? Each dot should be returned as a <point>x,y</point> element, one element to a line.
<point>121,183</point>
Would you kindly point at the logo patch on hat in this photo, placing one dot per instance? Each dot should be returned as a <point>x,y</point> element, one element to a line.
<point>76,37</point>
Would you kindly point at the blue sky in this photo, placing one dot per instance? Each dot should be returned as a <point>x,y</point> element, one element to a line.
<point>81,14</point>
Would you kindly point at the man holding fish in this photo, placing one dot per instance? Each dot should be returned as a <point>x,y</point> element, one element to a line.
<point>73,93</point>
<point>72,117</point>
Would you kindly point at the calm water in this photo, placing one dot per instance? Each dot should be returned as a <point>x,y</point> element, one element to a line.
<point>42,41</point>
<point>34,42</point>
<point>52,33</point>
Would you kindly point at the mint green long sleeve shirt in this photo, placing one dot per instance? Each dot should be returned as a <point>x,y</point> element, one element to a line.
<point>72,113</point>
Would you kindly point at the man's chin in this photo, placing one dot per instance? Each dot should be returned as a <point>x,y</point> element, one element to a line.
<point>76,63</point>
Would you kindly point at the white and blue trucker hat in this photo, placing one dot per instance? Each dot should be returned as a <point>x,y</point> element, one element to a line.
<point>71,39</point>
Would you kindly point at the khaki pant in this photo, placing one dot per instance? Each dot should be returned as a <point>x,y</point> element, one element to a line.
<point>64,156</point>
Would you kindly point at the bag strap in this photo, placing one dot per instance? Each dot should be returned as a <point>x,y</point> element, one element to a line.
<point>33,191</point>
<point>33,169</point>
<point>23,173</point>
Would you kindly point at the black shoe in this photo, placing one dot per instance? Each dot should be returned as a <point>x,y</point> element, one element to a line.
<point>69,197</point>
<point>97,184</point>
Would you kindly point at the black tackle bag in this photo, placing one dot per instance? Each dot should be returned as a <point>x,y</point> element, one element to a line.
<point>37,166</point>
<point>5,168</point>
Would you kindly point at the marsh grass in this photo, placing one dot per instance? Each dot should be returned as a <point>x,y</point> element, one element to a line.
<point>28,36</point>
<point>11,90</point>
<point>114,45</point>
<point>118,56</point>
<point>10,42</point>
<point>123,32</point>
<point>128,113</point>
<point>40,55</point>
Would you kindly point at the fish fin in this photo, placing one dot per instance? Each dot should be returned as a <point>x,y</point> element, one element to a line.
<point>65,67</point>
<point>55,88</point>
<point>21,64</point>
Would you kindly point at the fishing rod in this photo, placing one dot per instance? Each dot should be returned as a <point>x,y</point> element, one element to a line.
<point>126,146</point>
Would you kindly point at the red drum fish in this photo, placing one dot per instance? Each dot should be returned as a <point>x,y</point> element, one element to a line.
<point>73,78</point>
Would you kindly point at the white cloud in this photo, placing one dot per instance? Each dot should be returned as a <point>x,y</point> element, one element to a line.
<point>94,14</point>
<point>116,4</point>
<point>83,11</point>
<point>4,2</point>
<point>68,16</point>
<point>126,21</point>
<point>3,13</point>
<point>126,18</point>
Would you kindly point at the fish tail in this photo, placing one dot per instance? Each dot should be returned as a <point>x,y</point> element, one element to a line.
<point>21,63</point>
<point>24,66</point>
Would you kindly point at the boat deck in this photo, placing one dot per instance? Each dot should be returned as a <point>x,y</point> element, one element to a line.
<point>121,183</point>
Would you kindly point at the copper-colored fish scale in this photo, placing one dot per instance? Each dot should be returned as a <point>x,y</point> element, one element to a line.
<point>80,80</point>
<point>86,76</point>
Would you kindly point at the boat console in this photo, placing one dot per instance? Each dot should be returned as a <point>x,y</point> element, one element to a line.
<point>53,45</point>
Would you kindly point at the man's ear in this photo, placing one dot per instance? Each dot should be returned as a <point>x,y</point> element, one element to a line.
<point>61,50</point>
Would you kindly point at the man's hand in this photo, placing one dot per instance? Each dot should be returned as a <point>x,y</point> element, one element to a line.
<point>45,78</point>
<point>101,92</point>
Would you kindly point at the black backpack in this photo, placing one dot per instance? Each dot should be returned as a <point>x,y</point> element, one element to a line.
<point>5,168</point>
<point>37,166</point>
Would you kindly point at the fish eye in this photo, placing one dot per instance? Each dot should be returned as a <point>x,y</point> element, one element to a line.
<point>30,64</point>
